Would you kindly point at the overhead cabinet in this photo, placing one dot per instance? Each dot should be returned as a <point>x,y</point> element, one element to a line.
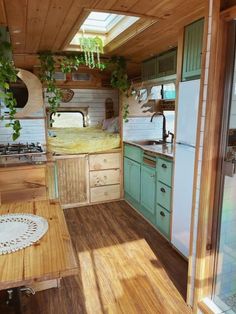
<point>159,66</point>
<point>193,39</point>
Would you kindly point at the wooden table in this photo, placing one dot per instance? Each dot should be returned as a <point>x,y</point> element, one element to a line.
<point>52,257</point>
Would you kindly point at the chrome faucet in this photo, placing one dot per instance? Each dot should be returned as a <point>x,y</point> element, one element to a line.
<point>164,134</point>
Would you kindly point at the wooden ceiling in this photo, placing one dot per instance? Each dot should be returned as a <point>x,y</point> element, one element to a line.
<point>38,25</point>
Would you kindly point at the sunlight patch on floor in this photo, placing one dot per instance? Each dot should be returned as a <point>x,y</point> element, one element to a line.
<point>127,276</point>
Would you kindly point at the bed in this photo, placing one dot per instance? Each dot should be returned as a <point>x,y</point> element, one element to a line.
<point>81,140</point>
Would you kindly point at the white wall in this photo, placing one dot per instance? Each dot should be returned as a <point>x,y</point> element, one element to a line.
<point>33,130</point>
<point>140,128</point>
<point>95,100</point>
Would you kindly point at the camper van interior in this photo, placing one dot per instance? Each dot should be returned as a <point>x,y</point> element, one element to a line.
<point>117,156</point>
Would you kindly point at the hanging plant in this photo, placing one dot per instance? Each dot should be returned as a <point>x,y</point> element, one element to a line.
<point>119,80</point>
<point>8,74</point>
<point>54,93</point>
<point>92,48</point>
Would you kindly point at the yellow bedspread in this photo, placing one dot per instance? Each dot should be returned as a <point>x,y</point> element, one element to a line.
<point>81,140</point>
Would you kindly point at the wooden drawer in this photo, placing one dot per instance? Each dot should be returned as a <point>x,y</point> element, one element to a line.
<point>163,221</point>
<point>133,152</point>
<point>105,193</point>
<point>104,161</point>
<point>163,196</point>
<point>164,171</point>
<point>104,177</point>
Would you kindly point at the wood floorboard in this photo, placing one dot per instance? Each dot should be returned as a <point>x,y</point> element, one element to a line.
<point>125,267</point>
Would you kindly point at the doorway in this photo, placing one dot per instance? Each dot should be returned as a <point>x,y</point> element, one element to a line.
<point>224,293</point>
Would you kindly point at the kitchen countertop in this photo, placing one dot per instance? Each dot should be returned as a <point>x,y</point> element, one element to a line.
<point>166,150</point>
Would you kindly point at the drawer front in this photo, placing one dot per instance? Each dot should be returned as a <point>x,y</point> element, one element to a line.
<point>163,221</point>
<point>105,193</point>
<point>104,177</point>
<point>133,152</point>
<point>104,161</point>
<point>163,196</point>
<point>164,171</point>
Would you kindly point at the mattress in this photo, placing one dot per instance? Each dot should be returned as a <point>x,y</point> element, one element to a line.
<point>81,140</point>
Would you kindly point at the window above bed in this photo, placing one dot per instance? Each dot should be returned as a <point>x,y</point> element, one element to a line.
<point>68,118</point>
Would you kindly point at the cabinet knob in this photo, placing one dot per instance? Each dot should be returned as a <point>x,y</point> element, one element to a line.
<point>105,160</point>
<point>164,166</point>
<point>162,214</point>
<point>152,175</point>
<point>163,190</point>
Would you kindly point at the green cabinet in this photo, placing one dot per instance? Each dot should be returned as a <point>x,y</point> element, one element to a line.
<point>164,170</point>
<point>148,188</point>
<point>193,39</point>
<point>132,176</point>
<point>163,221</point>
<point>133,152</point>
<point>164,195</point>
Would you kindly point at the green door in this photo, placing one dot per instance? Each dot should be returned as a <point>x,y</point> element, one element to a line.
<point>132,176</point>
<point>148,188</point>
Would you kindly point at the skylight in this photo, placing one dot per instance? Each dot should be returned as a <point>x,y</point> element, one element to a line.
<point>100,22</point>
<point>108,26</point>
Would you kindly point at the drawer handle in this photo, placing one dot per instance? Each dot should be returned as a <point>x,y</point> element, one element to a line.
<point>152,175</point>
<point>162,214</point>
<point>163,190</point>
<point>164,166</point>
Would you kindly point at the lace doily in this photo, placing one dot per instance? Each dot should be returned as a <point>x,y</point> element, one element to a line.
<point>17,231</point>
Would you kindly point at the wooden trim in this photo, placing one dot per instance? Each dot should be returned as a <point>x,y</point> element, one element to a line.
<point>229,14</point>
<point>204,258</point>
<point>191,271</point>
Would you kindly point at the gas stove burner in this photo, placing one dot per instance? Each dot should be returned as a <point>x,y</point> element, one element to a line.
<point>20,149</point>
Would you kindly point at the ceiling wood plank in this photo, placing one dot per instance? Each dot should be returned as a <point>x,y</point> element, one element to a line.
<point>72,22</point>
<point>3,18</point>
<point>36,17</point>
<point>55,17</point>
<point>124,5</point>
<point>16,13</point>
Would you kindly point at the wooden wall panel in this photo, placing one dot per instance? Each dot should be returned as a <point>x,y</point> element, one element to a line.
<point>3,18</point>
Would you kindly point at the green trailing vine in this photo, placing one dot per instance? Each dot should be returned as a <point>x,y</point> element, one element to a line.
<point>90,56</point>
<point>120,80</point>
<point>8,74</point>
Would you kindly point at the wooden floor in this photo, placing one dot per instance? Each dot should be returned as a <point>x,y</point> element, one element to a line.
<point>125,267</point>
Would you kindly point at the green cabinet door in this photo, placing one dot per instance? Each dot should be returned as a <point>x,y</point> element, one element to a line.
<point>132,178</point>
<point>148,188</point>
<point>127,166</point>
<point>193,38</point>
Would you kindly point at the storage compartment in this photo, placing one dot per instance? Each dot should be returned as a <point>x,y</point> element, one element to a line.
<point>132,178</point>
<point>105,193</point>
<point>104,161</point>
<point>163,221</point>
<point>164,171</point>
<point>72,176</point>
<point>133,152</point>
<point>164,195</point>
<point>104,177</point>
<point>148,188</point>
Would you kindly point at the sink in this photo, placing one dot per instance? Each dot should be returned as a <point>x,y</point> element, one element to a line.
<point>149,142</point>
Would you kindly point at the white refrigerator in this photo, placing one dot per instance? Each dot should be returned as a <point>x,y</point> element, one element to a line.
<point>188,104</point>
